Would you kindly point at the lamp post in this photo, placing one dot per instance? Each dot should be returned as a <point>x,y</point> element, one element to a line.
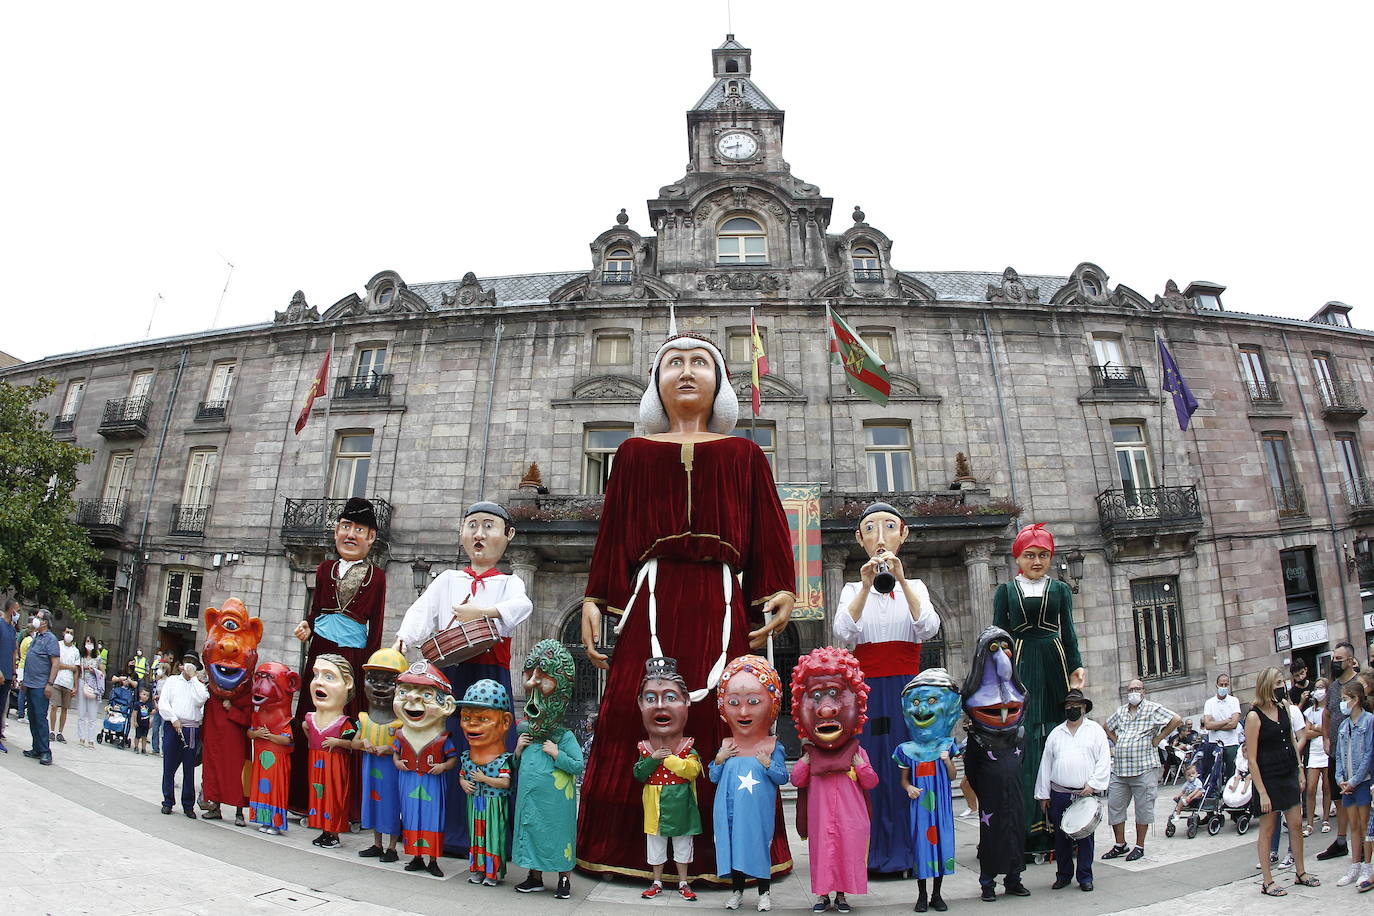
<point>419,571</point>
<point>1071,569</point>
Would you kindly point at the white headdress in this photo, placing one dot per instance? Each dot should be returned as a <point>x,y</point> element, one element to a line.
<point>653,418</point>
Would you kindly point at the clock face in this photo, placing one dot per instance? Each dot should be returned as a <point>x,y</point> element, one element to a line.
<point>737,146</point>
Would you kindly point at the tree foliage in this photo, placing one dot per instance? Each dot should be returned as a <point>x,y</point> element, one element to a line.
<point>43,551</point>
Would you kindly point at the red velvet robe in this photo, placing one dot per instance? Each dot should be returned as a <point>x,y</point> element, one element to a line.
<point>725,508</point>
<point>225,756</point>
<point>368,607</point>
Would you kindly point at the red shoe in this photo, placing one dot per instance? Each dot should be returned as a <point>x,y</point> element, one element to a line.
<point>654,890</point>
<point>685,892</point>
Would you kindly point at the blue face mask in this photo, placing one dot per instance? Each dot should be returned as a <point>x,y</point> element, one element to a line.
<point>1223,691</point>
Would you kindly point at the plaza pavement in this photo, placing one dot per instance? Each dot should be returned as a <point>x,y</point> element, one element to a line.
<point>86,835</point>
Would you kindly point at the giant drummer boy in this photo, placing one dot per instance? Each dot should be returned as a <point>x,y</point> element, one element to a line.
<point>491,604</point>
<point>345,618</point>
<point>887,616</point>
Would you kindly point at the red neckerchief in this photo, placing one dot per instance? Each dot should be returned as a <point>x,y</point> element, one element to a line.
<point>478,577</point>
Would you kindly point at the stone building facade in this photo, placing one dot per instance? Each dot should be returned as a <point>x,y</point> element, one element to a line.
<point>1193,552</point>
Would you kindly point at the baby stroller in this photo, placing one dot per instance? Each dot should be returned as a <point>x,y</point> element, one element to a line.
<point>1235,798</point>
<point>118,728</point>
<point>1208,760</point>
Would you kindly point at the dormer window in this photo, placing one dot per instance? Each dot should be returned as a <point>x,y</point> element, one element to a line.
<point>385,295</point>
<point>732,66</point>
<point>1090,286</point>
<point>619,266</point>
<point>741,240</point>
<point>865,261</point>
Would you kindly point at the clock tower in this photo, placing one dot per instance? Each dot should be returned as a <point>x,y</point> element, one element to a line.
<point>734,126</point>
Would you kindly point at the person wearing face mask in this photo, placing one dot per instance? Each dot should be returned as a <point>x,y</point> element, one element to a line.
<point>9,658</point>
<point>64,688</point>
<point>1300,685</point>
<point>182,707</point>
<point>1077,762</point>
<point>1343,671</point>
<point>1135,729</point>
<point>1221,721</point>
<point>88,694</point>
<point>1272,754</point>
<point>40,671</point>
<point>1314,713</point>
<point>1354,766</point>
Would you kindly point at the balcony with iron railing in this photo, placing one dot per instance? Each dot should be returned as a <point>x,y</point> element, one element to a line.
<point>1340,400</point>
<point>126,418</point>
<point>1263,393</point>
<point>189,521</point>
<point>103,518</point>
<point>1290,501</point>
<point>370,386</point>
<point>617,277</point>
<point>1148,511</point>
<point>1117,378</point>
<point>64,423</point>
<point>867,275</point>
<point>1359,496</point>
<point>212,410</point>
<point>311,522</point>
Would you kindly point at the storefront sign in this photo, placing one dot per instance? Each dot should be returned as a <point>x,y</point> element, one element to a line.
<point>1283,639</point>
<point>1368,622</point>
<point>1308,634</point>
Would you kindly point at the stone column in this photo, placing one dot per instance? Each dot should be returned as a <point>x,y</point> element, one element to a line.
<point>523,564</point>
<point>977,557</point>
<point>832,578</point>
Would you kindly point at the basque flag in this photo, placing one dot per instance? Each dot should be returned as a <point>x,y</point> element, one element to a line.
<point>865,372</point>
<point>318,388</point>
<point>1184,402</point>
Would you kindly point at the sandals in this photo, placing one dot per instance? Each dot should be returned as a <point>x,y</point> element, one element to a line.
<point>1307,880</point>
<point>1307,830</point>
<point>1272,890</point>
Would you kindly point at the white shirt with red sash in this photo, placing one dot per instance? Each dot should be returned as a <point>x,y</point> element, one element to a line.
<point>433,611</point>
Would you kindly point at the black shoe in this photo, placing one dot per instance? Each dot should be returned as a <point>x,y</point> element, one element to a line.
<point>166,809</point>
<point>190,814</point>
<point>530,885</point>
<point>389,856</point>
<point>1086,886</point>
<point>1137,852</point>
<point>989,895</point>
<point>371,852</point>
<point>59,738</point>
<point>327,841</point>
<point>1016,890</point>
<point>434,869</point>
<point>564,889</point>
<point>416,864</point>
<point>1336,850</point>
<point>938,904</point>
<point>32,755</point>
<point>46,760</point>
<point>1119,849</point>
<point>921,906</point>
<point>1060,883</point>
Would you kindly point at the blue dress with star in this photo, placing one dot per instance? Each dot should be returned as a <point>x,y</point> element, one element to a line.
<point>744,811</point>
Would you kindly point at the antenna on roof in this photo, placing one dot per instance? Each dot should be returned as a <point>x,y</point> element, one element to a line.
<point>729,19</point>
<point>214,321</point>
<point>149,330</point>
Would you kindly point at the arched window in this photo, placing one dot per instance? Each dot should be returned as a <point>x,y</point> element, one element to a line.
<point>619,266</point>
<point>741,240</point>
<point>865,261</point>
<point>732,66</point>
<point>1090,286</point>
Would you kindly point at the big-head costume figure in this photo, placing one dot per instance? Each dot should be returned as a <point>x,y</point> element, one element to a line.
<point>485,772</point>
<point>932,706</point>
<point>886,616</point>
<point>330,733</point>
<point>994,701</point>
<point>834,775</point>
<point>230,657</point>
<point>550,760</point>
<point>273,686</point>
<point>375,741</point>
<point>669,766</point>
<point>424,752</point>
<point>476,592</point>
<point>687,508</point>
<point>1037,610</point>
<point>345,618</point>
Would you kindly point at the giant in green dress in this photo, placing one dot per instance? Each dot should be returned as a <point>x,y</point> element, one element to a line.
<point>1046,654</point>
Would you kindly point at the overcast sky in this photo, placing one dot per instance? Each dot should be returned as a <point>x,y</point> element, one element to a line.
<point>314,144</point>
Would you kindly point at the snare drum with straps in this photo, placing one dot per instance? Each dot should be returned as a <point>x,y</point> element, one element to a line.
<point>1081,817</point>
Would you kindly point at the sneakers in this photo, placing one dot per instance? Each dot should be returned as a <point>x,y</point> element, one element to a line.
<point>564,889</point>
<point>732,902</point>
<point>686,892</point>
<point>821,905</point>
<point>1287,862</point>
<point>390,856</point>
<point>765,902</point>
<point>475,878</point>
<point>370,852</point>
<point>531,885</point>
<point>968,812</point>
<point>654,890</point>
<point>434,869</point>
<point>1351,876</point>
<point>1336,850</point>
<point>1116,851</point>
<point>841,904</point>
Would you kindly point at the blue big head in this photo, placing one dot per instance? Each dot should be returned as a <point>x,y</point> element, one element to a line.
<point>932,707</point>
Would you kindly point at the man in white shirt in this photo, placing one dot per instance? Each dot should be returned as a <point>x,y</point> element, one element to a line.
<point>1077,762</point>
<point>181,705</point>
<point>1221,721</point>
<point>479,591</point>
<point>64,688</point>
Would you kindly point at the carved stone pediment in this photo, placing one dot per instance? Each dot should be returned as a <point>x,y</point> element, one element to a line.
<point>470,293</point>
<point>297,311</point>
<point>771,386</point>
<point>767,283</point>
<point>1173,300</point>
<point>609,388</point>
<point>1012,289</point>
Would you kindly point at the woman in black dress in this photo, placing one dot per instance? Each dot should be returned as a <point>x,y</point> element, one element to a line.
<point>1274,770</point>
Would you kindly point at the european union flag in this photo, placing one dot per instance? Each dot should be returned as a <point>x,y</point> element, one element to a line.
<point>1184,402</point>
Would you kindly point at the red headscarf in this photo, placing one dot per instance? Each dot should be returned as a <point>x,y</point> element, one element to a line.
<point>1032,536</point>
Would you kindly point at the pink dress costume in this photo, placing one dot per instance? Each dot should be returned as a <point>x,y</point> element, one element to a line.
<point>331,775</point>
<point>837,822</point>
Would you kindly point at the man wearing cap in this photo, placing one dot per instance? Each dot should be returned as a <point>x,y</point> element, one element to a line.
<point>182,707</point>
<point>1077,762</point>
<point>887,616</point>
<point>476,592</point>
<point>347,609</point>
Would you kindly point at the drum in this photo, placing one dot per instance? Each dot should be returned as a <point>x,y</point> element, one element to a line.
<point>1081,817</point>
<point>460,642</point>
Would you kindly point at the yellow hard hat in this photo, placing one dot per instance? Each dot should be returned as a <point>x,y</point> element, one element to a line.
<point>387,660</point>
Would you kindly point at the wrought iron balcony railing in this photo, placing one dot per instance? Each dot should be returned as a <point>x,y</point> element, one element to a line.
<point>1263,392</point>
<point>126,418</point>
<point>312,521</point>
<point>1290,501</point>
<point>64,423</point>
<point>1148,507</point>
<point>369,386</point>
<point>1340,398</point>
<point>617,277</point>
<point>189,521</point>
<point>104,518</point>
<point>867,275</point>
<point>212,410</point>
<point>1359,495</point>
<point>1117,378</point>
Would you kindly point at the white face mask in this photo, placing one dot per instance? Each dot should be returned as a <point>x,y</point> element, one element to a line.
<point>1319,694</point>
<point>68,638</point>
<point>1345,707</point>
<point>1134,698</point>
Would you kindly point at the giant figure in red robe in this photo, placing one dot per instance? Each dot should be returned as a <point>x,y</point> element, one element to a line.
<point>345,618</point>
<point>688,508</point>
<point>230,657</point>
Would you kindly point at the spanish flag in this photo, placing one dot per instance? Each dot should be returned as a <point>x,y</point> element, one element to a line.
<point>758,362</point>
<point>318,388</point>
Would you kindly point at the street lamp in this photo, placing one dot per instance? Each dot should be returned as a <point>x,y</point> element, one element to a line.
<point>1071,569</point>
<point>419,571</point>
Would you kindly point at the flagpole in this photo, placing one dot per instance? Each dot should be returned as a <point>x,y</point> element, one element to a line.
<point>328,403</point>
<point>830,396</point>
<point>753,372</point>
<point>1163,448</point>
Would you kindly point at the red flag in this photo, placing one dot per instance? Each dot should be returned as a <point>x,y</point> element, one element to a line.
<point>864,370</point>
<point>317,389</point>
<point>758,360</point>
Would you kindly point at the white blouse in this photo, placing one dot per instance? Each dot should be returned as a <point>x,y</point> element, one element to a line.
<point>884,618</point>
<point>433,610</point>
